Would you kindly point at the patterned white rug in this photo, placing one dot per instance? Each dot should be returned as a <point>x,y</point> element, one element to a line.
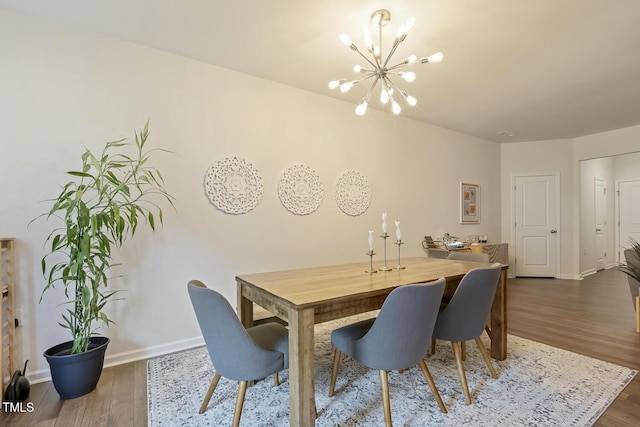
<point>538,385</point>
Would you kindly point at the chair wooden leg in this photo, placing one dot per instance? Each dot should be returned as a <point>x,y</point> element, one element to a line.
<point>276,380</point>
<point>485,356</point>
<point>463,346</point>
<point>384,386</point>
<point>433,346</point>
<point>242,389</point>
<point>207,397</point>
<point>432,385</point>
<point>334,371</point>
<point>463,377</point>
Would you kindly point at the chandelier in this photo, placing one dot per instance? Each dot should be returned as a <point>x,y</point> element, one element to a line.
<point>378,68</point>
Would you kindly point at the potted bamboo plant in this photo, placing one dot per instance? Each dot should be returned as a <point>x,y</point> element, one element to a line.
<point>100,208</point>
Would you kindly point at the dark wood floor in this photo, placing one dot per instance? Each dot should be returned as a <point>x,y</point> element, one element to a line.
<point>594,317</point>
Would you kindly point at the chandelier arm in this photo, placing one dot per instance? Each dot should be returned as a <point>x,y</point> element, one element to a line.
<point>373,86</point>
<point>399,65</point>
<point>392,51</point>
<point>393,85</point>
<point>390,83</point>
<point>365,58</point>
<point>368,76</point>
<point>377,58</point>
<point>403,93</point>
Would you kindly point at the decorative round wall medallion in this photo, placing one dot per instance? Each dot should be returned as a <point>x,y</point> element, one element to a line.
<point>233,185</point>
<point>353,194</point>
<point>300,189</point>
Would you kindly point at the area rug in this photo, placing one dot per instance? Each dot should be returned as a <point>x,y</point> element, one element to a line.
<point>538,385</point>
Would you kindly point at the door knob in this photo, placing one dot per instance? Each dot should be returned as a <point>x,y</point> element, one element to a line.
<point>554,231</point>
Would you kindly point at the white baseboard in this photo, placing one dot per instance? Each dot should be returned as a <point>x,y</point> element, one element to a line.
<point>129,356</point>
<point>588,272</point>
<point>571,276</point>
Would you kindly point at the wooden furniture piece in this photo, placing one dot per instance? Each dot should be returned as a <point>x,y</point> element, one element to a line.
<point>308,296</point>
<point>498,252</point>
<point>7,315</point>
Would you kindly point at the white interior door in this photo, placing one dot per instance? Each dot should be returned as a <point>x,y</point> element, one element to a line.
<point>536,225</point>
<point>629,214</point>
<point>600,201</point>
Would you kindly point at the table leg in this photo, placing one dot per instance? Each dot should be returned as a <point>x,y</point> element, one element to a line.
<point>499,319</point>
<point>245,308</point>
<point>301,368</point>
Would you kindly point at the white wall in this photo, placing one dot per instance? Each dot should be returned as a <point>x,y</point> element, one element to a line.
<point>69,89</point>
<point>604,168</point>
<point>564,156</point>
<point>627,166</point>
<point>540,157</point>
<point>612,143</point>
<point>613,169</point>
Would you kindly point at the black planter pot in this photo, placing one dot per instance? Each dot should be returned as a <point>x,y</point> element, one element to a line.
<point>75,375</point>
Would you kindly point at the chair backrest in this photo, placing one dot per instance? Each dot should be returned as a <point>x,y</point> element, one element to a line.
<point>632,257</point>
<point>401,334</point>
<point>469,256</point>
<point>233,353</point>
<point>465,316</point>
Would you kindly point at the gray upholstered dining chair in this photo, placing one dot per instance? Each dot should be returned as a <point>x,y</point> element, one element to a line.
<point>634,286</point>
<point>398,338</point>
<point>237,353</point>
<point>465,316</point>
<point>469,256</point>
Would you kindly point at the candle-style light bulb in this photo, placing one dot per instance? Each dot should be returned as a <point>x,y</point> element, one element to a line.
<point>334,84</point>
<point>346,87</point>
<point>384,95</point>
<point>361,109</point>
<point>411,100</point>
<point>345,39</point>
<point>436,57</point>
<point>408,76</point>
<point>395,107</point>
<point>409,24</point>
<point>367,37</point>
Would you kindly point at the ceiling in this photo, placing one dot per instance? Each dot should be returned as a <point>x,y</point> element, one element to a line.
<point>543,69</point>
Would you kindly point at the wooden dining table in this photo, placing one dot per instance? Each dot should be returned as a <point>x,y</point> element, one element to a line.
<point>307,296</point>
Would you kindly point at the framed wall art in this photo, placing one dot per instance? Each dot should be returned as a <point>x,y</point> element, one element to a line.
<point>469,203</point>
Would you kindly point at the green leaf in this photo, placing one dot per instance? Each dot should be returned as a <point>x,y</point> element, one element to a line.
<point>82,174</point>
